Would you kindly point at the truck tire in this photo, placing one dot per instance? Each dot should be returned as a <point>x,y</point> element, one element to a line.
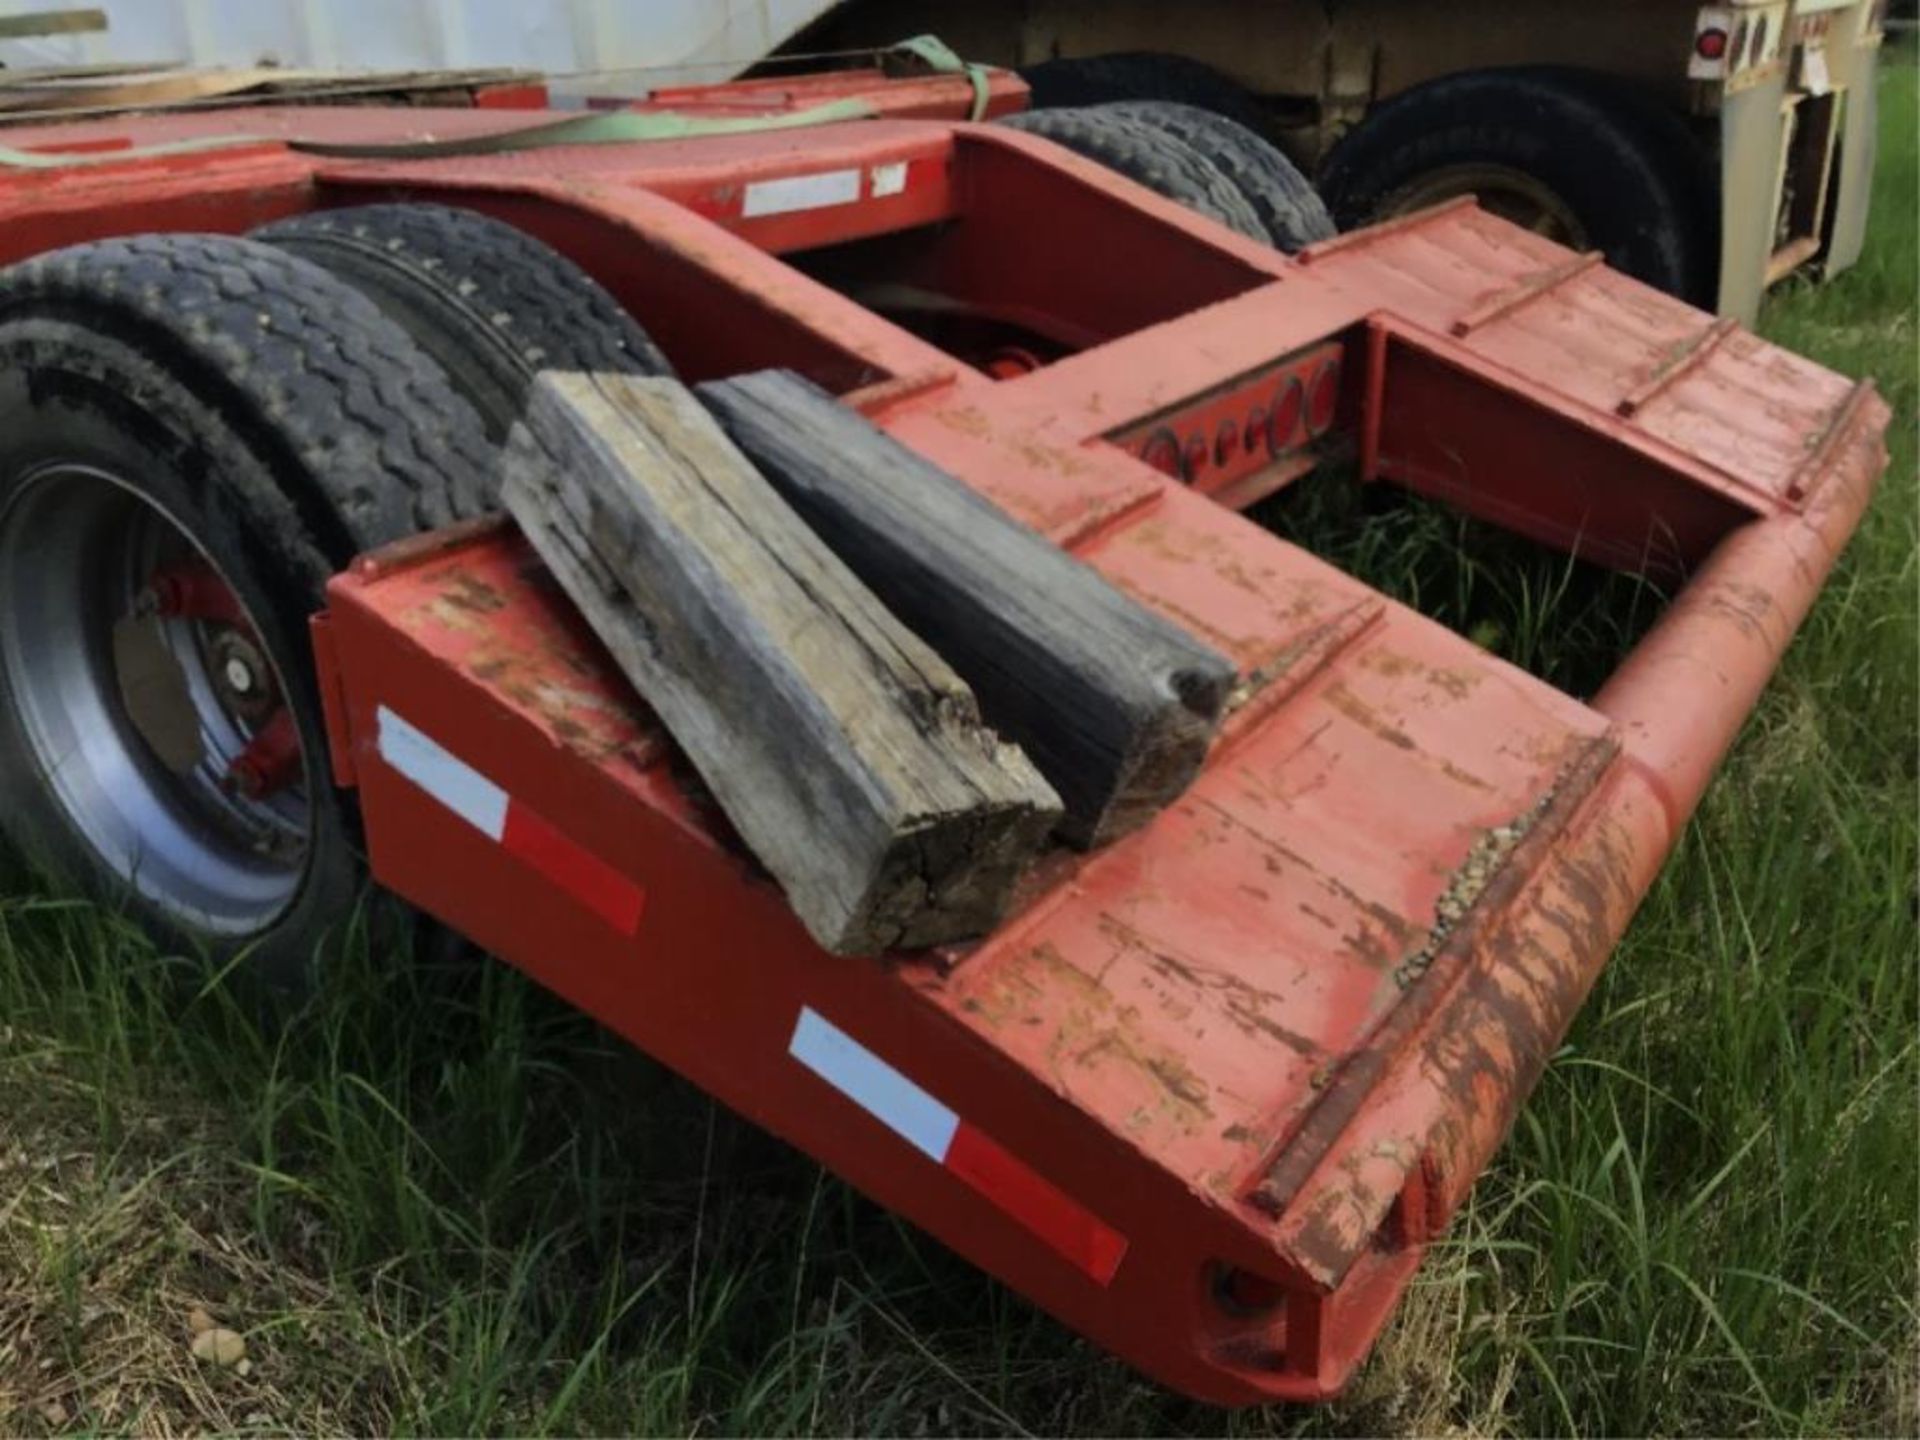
<point>1141,75</point>
<point>1292,215</point>
<point>196,432</point>
<point>1692,173</point>
<point>1563,153</point>
<point>1148,156</point>
<point>492,304</point>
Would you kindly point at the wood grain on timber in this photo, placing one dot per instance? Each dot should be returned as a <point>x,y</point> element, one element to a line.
<point>847,754</point>
<point>1116,706</point>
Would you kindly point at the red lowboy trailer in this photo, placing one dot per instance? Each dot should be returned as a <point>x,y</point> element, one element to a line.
<point>1212,1091</point>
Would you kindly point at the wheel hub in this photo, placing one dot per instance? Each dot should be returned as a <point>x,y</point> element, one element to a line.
<point>153,714</point>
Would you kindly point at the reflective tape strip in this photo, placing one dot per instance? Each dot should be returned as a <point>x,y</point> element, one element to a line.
<point>967,1153</point>
<point>875,1086</point>
<point>517,828</point>
<point>443,775</point>
<point>800,192</point>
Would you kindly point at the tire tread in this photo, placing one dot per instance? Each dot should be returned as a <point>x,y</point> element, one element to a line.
<point>1290,211</point>
<point>370,434</point>
<point>493,304</point>
<point>1149,156</point>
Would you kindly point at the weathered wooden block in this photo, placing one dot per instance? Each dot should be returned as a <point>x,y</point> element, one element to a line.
<point>848,755</point>
<point>1116,704</point>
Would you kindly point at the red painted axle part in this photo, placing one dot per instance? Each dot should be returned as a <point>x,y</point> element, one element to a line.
<point>271,760</point>
<point>191,590</point>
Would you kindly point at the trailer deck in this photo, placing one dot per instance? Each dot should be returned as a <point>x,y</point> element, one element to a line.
<point>1212,1091</point>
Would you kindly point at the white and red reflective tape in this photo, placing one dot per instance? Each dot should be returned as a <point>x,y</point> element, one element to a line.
<point>938,1132</point>
<point>511,824</point>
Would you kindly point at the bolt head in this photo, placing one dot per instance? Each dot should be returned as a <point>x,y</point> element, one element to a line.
<point>239,676</point>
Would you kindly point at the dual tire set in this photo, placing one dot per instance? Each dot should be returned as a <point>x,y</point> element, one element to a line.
<point>1580,156</point>
<point>196,432</point>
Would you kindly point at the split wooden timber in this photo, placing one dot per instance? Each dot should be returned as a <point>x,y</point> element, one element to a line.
<point>1115,703</point>
<point>848,755</point>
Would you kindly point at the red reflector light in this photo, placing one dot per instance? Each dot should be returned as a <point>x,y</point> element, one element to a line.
<point>1256,427</point>
<point>1283,426</point>
<point>1710,44</point>
<point>1324,400</point>
<point>1226,441</point>
<point>1196,456</point>
<point>1162,452</point>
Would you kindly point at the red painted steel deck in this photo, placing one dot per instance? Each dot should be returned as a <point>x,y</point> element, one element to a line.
<point>1280,1030</point>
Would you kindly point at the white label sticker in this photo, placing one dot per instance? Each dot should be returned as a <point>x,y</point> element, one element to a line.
<point>800,192</point>
<point>888,179</point>
<point>1814,78</point>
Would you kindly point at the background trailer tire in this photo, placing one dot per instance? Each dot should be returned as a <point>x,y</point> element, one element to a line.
<point>196,432</point>
<point>492,304</point>
<point>1292,215</point>
<point>1573,155</point>
<point>1149,156</point>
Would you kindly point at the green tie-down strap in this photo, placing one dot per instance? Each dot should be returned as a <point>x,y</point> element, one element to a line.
<point>939,57</point>
<point>613,127</point>
<point>66,159</point>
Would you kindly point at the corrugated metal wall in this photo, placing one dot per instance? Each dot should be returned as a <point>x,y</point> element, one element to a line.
<point>677,39</point>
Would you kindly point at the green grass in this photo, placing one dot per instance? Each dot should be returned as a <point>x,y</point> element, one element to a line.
<point>438,1201</point>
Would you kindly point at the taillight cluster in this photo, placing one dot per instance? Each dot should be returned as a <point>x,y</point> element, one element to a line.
<point>1728,42</point>
<point>1239,429</point>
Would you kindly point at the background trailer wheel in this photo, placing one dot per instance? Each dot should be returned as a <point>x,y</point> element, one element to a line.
<point>1568,155</point>
<point>1292,215</point>
<point>1148,155</point>
<point>492,304</point>
<point>195,433</point>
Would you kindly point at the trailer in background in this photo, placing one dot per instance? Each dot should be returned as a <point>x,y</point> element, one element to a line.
<point>1711,150</point>
<point>1708,149</point>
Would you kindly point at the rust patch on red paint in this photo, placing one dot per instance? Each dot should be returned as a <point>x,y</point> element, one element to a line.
<point>1494,887</point>
<point>1239,1002</point>
<point>1453,681</point>
<point>1269,684</point>
<point>1280,857</point>
<point>1362,714</point>
<point>1367,718</point>
<point>1507,1016</point>
<point>1096,1041</point>
<point>1747,607</point>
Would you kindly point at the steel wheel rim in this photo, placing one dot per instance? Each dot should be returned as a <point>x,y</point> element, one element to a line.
<point>77,547</point>
<point>1501,190</point>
